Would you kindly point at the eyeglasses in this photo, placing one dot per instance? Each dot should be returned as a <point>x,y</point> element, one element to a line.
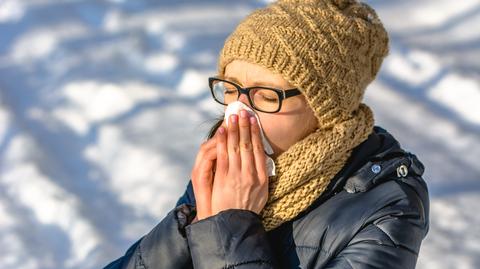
<point>264,99</point>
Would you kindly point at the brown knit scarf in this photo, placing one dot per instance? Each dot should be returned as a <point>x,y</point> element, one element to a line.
<point>307,167</point>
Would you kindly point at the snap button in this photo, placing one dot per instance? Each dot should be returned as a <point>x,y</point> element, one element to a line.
<point>402,171</point>
<point>376,168</point>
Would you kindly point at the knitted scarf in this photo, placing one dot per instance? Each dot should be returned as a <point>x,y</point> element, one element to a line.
<point>305,169</point>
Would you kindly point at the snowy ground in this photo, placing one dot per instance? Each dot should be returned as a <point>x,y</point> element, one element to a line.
<point>103,105</point>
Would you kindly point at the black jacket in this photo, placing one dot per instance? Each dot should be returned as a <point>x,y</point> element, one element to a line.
<point>374,214</point>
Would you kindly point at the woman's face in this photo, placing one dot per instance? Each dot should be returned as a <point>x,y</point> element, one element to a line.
<point>293,122</point>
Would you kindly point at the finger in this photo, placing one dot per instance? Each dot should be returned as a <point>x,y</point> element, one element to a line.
<point>207,145</point>
<point>222,153</point>
<point>245,144</point>
<point>232,145</point>
<point>209,157</point>
<point>203,185</point>
<point>258,150</point>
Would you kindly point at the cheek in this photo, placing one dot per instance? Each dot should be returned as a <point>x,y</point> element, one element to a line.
<point>270,128</point>
<point>277,129</point>
<point>284,131</point>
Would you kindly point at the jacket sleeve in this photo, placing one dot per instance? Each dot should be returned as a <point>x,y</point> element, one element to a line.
<point>234,238</point>
<point>390,238</point>
<point>166,245</point>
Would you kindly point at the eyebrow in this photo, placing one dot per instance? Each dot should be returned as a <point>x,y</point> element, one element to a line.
<point>256,83</point>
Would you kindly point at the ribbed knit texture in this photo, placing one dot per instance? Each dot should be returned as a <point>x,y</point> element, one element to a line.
<point>331,50</point>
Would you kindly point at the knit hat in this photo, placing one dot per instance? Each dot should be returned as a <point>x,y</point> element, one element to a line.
<point>330,50</point>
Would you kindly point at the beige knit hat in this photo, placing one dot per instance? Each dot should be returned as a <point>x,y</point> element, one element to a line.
<point>330,49</point>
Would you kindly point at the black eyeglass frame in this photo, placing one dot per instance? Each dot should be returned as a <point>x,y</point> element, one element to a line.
<point>282,94</point>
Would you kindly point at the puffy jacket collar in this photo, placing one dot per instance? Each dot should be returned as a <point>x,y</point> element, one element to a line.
<point>377,159</point>
<point>383,159</point>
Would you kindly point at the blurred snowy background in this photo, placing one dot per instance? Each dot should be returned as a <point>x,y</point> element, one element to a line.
<point>103,105</point>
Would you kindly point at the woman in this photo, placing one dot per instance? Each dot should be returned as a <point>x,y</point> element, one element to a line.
<point>344,193</point>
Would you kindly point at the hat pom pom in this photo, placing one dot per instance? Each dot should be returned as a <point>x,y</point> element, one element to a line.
<point>342,4</point>
<point>356,9</point>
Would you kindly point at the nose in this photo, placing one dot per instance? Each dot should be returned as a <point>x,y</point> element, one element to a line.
<point>244,99</point>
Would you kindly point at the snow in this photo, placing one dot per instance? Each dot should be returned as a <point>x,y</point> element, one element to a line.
<point>413,67</point>
<point>10,10</point>
<point>463,100</point>
<point>104,104</point>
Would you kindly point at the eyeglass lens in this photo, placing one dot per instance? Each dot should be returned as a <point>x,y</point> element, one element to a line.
<point>263,99</point>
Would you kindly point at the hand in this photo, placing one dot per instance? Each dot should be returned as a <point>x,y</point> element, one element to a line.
<point>202,177</point>
<point>240,180</point>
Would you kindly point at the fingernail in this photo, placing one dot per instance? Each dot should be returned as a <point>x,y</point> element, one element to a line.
<point>234,118</point>
<point>243,114</point>
<point>253,120</point>
<point>221,130</point>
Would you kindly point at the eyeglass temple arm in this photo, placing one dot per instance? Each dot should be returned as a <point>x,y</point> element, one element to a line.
<point>291,92</point>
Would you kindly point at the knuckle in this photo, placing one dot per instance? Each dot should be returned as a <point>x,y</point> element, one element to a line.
<point>247,184</point>
<point>210,141</point>
<point>258,148</point>
<point>263,179</point>
<point>222,155</point>
<point>251,172</point>
<point>235,149</point>
<point>246,146</point>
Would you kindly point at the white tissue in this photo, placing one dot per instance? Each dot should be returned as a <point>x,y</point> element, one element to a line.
<point>234,108</point>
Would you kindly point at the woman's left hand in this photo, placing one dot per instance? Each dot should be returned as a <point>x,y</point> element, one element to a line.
<point>240,180</point>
